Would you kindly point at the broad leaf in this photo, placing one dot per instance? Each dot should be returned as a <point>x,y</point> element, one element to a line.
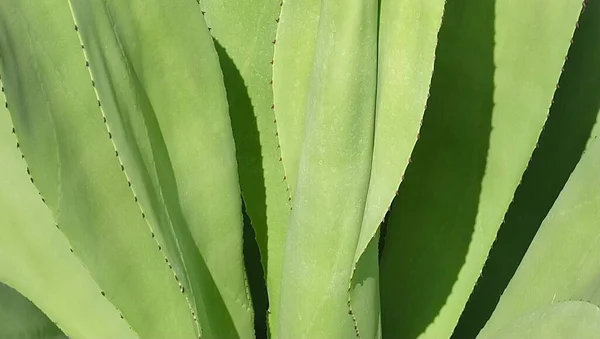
<point>36,259</point>
<point>496,69</point>
<point>54,107</point>
<point>244,31</point>
<point>574,111</point>
<point>562,261</point>
<point>170,125</point>
<point>333,179</point>
<point>408,32</point>
<point>565,320</point>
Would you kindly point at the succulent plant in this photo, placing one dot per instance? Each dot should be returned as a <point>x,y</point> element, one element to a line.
<point>300,169</point>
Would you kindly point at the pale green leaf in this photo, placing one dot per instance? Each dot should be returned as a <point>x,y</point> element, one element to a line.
<point>53,105</point>
<point>35,258</point>
<point>497,66</point>
<point>292,65</point>
<point>574,111</point>
<point>562,260</point>
<point>333,175</point>
<point>565,320</point>
<point>170,124</point>
<point>244,31</point>
<point>408,32</point>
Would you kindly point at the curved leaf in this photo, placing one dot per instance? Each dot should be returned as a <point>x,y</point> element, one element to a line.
<point>35,259</point>
<point>292,64</point>
<point>562,260</point>
<point>170,125</point>
<point>53,105</point>
<point>574,111</point>
<point>407,38</point>
<point>565,320</point>
<point>497,66</point>
<point>244,31</point>
<point>334,174</point>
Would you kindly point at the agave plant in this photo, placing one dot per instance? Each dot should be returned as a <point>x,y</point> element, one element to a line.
<point>299,169</point>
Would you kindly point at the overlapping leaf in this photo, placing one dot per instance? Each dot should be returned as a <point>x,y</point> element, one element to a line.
<point>35,258</point>
<point>244,31</point>
<point>169,120</point>
<point>562,260</point>
<point>53,107</point>
<point>334,171</point>
<point>497,66</point>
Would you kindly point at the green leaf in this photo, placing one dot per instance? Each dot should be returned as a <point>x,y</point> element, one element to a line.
<point>562,260</point>
<point>565,320</point>
<point>20,319</point>
<point>170,124</point>
<point>292,64</point>
<point>35,259</point>
<point>334,174</point>
<point>407,38</point>
<point>53,105</point>
<point>566,133</point>
<point>497,66</point>
<point>244,31</point>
